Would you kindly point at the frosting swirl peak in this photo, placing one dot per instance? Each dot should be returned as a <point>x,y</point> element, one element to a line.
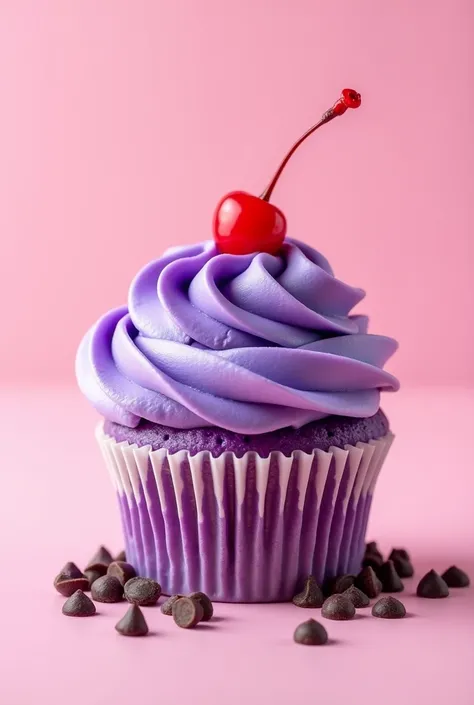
<point>250,343</point>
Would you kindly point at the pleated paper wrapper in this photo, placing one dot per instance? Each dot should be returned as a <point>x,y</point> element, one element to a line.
<point>247,529</point>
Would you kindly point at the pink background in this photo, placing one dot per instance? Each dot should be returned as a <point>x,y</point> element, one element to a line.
<point>123,122</point>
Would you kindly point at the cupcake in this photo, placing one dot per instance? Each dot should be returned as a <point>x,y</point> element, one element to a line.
<point>240,402</point>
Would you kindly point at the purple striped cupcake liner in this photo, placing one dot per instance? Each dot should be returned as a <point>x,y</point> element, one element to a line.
<point>244,529</point>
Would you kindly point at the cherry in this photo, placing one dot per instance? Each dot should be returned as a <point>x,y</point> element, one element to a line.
<point>244,223</point>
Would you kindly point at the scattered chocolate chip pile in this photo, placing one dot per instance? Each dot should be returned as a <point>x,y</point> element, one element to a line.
<point>114,579</point>
<point>347,593</point>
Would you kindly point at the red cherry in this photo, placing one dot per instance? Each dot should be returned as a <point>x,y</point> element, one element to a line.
<point>351,98</point>
<point>244,223</point>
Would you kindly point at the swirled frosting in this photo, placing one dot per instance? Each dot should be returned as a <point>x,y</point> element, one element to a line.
<point>250,343</point>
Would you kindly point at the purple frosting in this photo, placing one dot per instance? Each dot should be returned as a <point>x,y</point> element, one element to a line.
<point>249,343</point>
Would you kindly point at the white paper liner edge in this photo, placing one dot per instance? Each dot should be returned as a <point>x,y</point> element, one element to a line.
<point>128,467</point>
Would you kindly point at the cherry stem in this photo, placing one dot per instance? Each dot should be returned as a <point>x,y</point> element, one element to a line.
<point>327,117</point>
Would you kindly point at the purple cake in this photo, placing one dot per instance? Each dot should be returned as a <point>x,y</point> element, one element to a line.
<point>240,397</point>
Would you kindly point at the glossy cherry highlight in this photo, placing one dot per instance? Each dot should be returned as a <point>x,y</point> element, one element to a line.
<point>244,223</point>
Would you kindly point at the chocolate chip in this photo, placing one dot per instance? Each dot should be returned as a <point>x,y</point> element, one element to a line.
<point>70,570</point>
<point>187,613</point>
<point>432,586</point>
<point>167,607</point>
<point>357,597</point>
<point>142,591</point>
<point>368,582</point>
<point>100,560</point>
<point>121,557</point>
<point>310,596</point>
<point>98,569</point>
<point>402,563</point>
<point>454,577</point>
<point>133,623</point>
<point>372,549</point>
<point>338,607</point>
<point>403,567</point>
<point>373,560</point>
<point>93,575</point>
<point>399,553</point>
<point>389,608</point>
<point>389,578</point>
<point>68,586</point>
<point>122,571</point>
<point>310,633</point>
<point>206,604</point>
<point>79,605</point>
<point>103,555</point>
<point>107,589</point>
<point>70,579</point>
<point>342,583</point>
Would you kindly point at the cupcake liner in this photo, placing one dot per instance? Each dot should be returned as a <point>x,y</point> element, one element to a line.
<point>244,529</point>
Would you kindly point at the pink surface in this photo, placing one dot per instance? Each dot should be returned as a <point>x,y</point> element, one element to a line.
<point>123,123</point>
<point>57,505</point>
